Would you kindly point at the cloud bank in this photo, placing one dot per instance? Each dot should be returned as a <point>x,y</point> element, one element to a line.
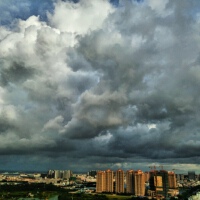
<point>92,84</point>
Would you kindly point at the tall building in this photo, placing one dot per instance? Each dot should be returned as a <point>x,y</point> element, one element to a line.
<point>130,181</point>
<point>172,180</point>
<point>180,177</point>
<point>163,183</point>
<point>104,181</point>
<point>139,183</point>
<point>119,181</point>
<point>159,182</point>
<point>67,174</point>
<point>152,184</point>
<point>92,173</point>
<point>101,181</point>
<point>50,174</point>
<point>57,174</point>
<point>135,182</point>
<point>109,180</point>
<point>191,175</point>
<point>147,175</point>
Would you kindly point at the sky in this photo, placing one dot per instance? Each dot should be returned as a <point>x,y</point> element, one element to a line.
<point>98,84</point>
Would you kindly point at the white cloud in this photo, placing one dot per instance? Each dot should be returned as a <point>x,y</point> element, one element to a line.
<point>159,6</point>
<point>55,123</point>
<point>80,18</point>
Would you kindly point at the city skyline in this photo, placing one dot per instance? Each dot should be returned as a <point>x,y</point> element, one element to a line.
<point>98,84</point>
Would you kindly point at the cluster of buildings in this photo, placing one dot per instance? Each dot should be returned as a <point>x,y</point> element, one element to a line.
<point>56,177</point>
<point>59,174</point>
<point>154,183</point>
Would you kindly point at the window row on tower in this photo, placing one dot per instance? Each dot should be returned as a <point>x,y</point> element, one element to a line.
<point>135,182</point>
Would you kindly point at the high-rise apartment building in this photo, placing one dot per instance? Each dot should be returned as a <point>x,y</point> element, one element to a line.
<point>173,190</point>
<point>191,175</point>
<point>67,174</point>
<point>130,181</point>
<point>135,182</point>
<point>172,180</point>
<point>163,183</point>
<point>50,174</point>
<point>119,181</point>
<point>147,175</point>
<point>57,174</point>
<point>101,181</point>
<point>104,181</point>
<point>109,180</point>
<point>139,183</point>
<point>159,182</point>
<point>92,173</point>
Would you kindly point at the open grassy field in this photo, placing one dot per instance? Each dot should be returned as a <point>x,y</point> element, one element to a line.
<point>117,197</point>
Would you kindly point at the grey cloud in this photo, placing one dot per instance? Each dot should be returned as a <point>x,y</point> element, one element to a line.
<point>16,72</point>
<point>127,89</point>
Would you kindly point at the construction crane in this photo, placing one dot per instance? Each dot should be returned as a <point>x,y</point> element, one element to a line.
<point>174,170</point>
<point>161,166</point>
<point>152,167</point>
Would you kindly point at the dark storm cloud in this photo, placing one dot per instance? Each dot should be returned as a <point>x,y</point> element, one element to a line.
<point>110,88</point>
<point>16,72</point>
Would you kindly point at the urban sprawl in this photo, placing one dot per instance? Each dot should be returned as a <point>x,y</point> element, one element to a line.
<point>155,183</point>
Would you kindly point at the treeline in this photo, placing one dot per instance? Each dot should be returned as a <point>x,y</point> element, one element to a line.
<point>42,190</point>
<point>24,186</point>
<point>13,190</point>
<point>187,192</point>
<point>81,196</point>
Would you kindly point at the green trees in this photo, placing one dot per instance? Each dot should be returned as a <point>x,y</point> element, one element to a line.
<point>68,196</point>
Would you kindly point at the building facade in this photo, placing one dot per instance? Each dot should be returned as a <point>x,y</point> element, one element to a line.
<point>104,181</point>
<point>159,183</point>
<point>109,180</point>
<point>139,183</point>
<point>130,181</point>
<point>191,175</point>
<point>101,182</point>
<point>172,180</point>
<point>119,181</point>
<point>67,174</point>
<point>135,182</point>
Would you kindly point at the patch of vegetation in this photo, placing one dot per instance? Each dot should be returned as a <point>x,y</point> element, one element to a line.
<point>81,196</point>
<point>24,190</point>
<point>189,192</point>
